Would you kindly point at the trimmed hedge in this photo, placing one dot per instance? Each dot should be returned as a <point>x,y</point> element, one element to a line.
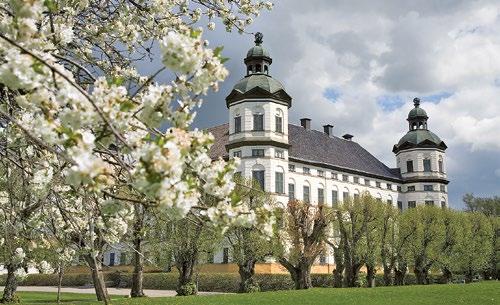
<point>221,282</point>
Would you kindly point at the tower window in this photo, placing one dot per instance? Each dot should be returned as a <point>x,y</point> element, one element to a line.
<point>279,124</point>
<point>258,122</point>
<point>279,183</point>
<point>258,177</point>
<point>237,154</point>
<point>258,68</point>
<point>442,188</point>
<point>278,153</point>
<point>440,165</point>
<point>257,153</point>
<point>321,196</point>
<point>291,191</point>
<point>411,188</point>
<point>335,198</point>
<point>428,188</point>
<point>306,194</point>
<point>409,166</point>
<point>412,204</point>
<point>427,165</point>
<point>237,124</point>
<point>249,70</point>
<point>429,202</point>
<point>266,69</point>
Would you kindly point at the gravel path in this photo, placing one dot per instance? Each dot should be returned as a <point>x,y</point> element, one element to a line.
<point>111,291</point>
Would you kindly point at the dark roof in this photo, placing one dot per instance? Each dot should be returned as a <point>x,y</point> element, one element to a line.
<point>419,138</point>
<point>317,148</point>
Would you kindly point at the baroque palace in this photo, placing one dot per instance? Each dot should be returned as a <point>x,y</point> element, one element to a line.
<point>296,162</point>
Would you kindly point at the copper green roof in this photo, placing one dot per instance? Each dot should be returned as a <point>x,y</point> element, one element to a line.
<point>258,51</point>
<point>263,81</point>
<point>419,138</point>
<point>417,112</point>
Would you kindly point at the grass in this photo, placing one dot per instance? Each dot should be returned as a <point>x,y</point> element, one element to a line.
<point>477,293</point>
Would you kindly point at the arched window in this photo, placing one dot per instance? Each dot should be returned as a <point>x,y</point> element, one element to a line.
<point>258,119</point>
<point>249,70</point>
<point>258,68</point>
<point>279,121</point>
<point>291,189</point>
<point>237,121</point>
<point>258,175</point>
<point>345,194</point>
<point>279,180</point>
<point>335,195</point>
<point>306,192</point>
<point>266,69</point>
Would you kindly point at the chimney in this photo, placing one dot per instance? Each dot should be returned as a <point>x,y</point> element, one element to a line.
<point>348,137</point>
<point>328,129</point>
<point>306,123</point>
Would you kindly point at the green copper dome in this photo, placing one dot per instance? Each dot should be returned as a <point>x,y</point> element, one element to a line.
<point>417,112</point>
<point>263,81</point>
<point>419,138</point>
<point>257,51</point>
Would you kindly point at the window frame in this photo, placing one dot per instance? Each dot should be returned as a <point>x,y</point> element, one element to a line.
<point>256,127</point>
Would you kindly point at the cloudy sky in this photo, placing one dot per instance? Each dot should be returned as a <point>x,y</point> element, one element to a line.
<point>358,65</point>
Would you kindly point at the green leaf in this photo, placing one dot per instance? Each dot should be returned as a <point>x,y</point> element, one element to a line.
<point>37,67</point>
<point>51,5</point>
<point>127,105</point>
<point>195,33</point>
<point>218,51</point>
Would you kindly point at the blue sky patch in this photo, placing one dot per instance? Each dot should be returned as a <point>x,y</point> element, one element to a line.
<point>390,102</point>
<point>436,98</point>
<point>332,94</point>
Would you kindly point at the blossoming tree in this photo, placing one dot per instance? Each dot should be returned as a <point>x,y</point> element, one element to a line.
<point>72,88</point>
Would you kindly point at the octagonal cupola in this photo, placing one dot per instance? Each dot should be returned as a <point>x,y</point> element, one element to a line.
<point>258,59</point>
<point>417,117</point>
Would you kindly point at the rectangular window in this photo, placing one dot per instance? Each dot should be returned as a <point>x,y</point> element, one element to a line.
<point>345,178</point>
<point>429,202</point>
<point>321,173</point>
<point>321,196</point>
<point>389,201</point>
<point>356,179</point>
<point>279,124</point>
<point>412,204</point>
<point>399,188</point>
<point>225,256</point>
<point>335,176</point>
<point>442,188</point>
<point>291,168</point>
<point>400,205</point>
<point>409,166</point>
<point>258,122</point>
<point>411,188</point>
<point>306,170</point>
<point>237,154</point>
<point>257,153</point>
<point>279,154</point>
<point>306,194</point>
<point>237,124</point>
<point>443,204</point>
<point>258,177</point>
<point>389,186</point>
<point>335,198</point>
<point>345,196</point>
<point>440,165</point>
<point>377,184</point>
<point>427,165</point>
<point>356,196</point>
<point>291,191</point>
<point>367,182</point>
<point>428,187</point>
<point>278,183</point>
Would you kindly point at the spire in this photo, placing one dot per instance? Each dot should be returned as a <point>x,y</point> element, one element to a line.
<point>258,59</point>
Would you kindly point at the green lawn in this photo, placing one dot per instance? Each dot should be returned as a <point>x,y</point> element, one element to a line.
<point>478,293</point>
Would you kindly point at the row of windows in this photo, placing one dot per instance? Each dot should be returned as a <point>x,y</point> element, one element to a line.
<point>260,152</point>
<point>344,177</point>
<point>258,123</point>
<point>426,165</point>
<point>427,188</point>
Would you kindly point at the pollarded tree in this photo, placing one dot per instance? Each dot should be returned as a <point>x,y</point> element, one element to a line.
<point>453,226</point>
<point>359,219</point>
<point>301,240</point>
<point>249,245</point>
<point>475,245</point>
<point>388,241</point>
<point>373,240</point>
<point>426,243</point>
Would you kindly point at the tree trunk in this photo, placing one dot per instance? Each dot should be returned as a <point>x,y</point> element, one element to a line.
<point>370,275</point>
<point>186,286</point>
<point>421,276</point>
<point>469,276</point>
<point>138,275</point>
<point>352,275</point>
<point>338,272</point>
<point>98,278</point>
<point>9,292</point>
<point>400,274</point>
<point>447,275</point>
<point>60,273</point>
<point>301,274</point>
<point>388,276</point>
<point>247,271</point>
